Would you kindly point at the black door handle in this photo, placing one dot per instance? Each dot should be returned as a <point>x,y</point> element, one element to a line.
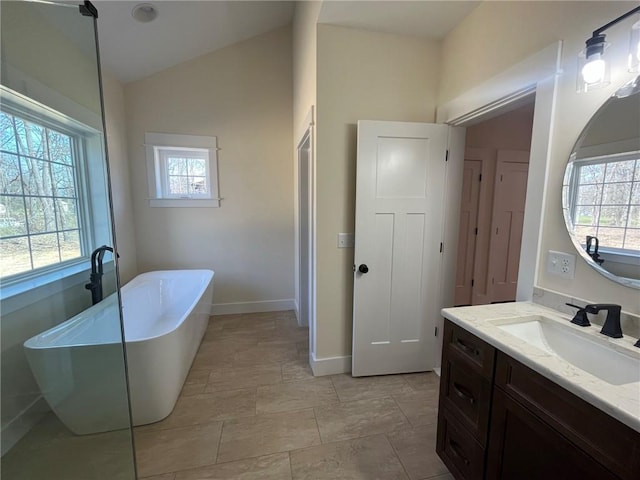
<point>363,268</point>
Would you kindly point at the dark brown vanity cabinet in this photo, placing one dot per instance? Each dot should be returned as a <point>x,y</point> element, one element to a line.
<point>498,419</point>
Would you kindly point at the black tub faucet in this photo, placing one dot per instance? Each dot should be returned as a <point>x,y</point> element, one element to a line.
<point>611,327</point>
<point>95,279</point>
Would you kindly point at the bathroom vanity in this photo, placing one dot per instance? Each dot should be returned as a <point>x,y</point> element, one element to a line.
<point>513,404</point>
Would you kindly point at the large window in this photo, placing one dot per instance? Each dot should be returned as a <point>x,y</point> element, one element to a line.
<point>607,201</point>
<point>40,210</point>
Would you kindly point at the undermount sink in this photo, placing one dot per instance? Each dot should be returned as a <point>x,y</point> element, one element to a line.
<point>592,355</point>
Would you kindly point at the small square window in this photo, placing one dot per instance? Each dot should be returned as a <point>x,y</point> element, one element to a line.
<point>182,170</point>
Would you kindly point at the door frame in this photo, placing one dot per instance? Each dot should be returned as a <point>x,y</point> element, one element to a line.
<point>536,75</point>
<point>306,186</point>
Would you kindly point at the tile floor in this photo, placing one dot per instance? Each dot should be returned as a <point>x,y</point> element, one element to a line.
<point>51,452</point>
<point>252,410</point>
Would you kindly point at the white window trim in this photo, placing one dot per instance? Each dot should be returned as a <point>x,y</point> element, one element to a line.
<point>155,142</point>
<point>88,141</point>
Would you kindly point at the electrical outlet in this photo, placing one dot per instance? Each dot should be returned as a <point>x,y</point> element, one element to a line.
<point>561,264</point>
<point>346,240</point>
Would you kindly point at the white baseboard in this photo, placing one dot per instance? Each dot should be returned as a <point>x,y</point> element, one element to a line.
<point>252,307</point>
<point>18,427</point>
<point>329,365</point>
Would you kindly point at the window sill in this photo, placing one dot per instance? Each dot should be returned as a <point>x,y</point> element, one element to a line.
<point>619,257</point>
<point>26,292</point>
<point>184,203</point>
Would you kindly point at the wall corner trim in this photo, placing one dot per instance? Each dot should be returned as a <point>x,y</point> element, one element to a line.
<point>329,365</point>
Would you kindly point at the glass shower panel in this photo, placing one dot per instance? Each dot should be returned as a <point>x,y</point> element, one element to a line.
<point>64,407</point>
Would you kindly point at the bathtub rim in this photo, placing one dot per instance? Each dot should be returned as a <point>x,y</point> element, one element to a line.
<point>29,343</point>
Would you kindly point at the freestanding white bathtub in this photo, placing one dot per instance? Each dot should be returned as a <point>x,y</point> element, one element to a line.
<point>79,364</point>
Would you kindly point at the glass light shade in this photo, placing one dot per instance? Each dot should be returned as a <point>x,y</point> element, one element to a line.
<point>634,48</point>
<point>593,73</point>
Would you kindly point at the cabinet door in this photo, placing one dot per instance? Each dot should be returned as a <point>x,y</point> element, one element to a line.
<point>468,395</point>
<point>523,447</point>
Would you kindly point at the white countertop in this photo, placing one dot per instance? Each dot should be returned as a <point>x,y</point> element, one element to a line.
<point>620,401</point>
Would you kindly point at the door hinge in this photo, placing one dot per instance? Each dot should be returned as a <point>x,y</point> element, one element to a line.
<point>501,178</point>
<point>446,156</point>
<point>493,281</point>
<point>480,177</point>
<point>441,247</point>
<point>476,230</point>
<point>472,282</point>
<point>436,332</point>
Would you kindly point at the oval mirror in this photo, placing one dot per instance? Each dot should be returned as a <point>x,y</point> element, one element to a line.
<point>601,188</point>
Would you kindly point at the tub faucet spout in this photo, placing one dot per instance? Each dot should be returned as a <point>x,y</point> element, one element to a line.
<point>95,279</point>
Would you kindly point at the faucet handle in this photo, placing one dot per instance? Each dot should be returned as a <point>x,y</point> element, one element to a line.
<point>580,317</point>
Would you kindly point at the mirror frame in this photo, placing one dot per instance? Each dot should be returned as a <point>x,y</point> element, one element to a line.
<point>628,89</point>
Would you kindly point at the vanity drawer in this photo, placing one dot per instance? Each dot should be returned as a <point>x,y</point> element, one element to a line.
<point>613,444</point>
<point>461,453</point>
<point>479,355</point>
<point>468,395</point>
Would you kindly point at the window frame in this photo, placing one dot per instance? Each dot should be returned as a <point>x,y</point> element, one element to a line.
<point>156,144</point>
<point>83,138</point>
<point>162,157</point>
<point>584,161</point>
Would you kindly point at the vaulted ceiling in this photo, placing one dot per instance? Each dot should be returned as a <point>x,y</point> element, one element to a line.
<point>183,30</point>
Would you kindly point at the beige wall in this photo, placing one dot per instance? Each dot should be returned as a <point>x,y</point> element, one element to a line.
<point>113,93</point>
<point>305,44</point>
<point>242,95</point>
<point>362,75</point>
<point>499,34</point>
<point>304,62</point>
<point>56,60</point>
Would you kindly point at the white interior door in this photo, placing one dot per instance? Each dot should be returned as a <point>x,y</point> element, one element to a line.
<point>399,227</point>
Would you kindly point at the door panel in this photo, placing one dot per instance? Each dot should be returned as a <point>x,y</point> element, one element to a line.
<point>508,219</point>
<point>378,309</point>
<point>399,196</point>
<point>467,231</point>
<point>400,170</point>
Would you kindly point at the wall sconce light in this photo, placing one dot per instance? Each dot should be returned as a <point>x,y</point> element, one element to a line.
<point>593,70</point>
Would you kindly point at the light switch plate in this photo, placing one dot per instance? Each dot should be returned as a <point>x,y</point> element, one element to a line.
<point>561,264</point>
<point>346,240</point>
